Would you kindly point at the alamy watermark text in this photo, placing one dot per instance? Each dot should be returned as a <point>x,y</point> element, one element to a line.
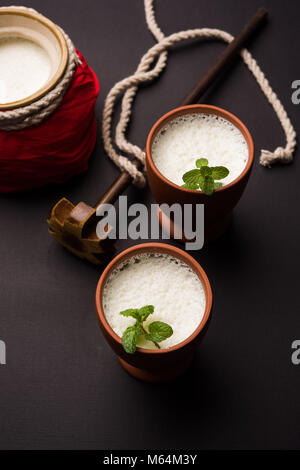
<point>2,352</point>
<point>180,222</point>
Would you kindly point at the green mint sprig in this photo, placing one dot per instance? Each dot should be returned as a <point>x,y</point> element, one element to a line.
<point>203,177</point>
<point>158,330</point>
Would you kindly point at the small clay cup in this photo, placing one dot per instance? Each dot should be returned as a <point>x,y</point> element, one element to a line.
<point>155,365</point>
<point>217,207</point>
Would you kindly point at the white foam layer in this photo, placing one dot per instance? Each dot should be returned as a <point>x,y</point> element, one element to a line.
<point>163,281</point>
<point>24,68</point>
<point>183,140</point>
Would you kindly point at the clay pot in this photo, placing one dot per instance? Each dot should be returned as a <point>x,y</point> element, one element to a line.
<point>157,365</point>
<point>217,207</point>
<point>28,24</point>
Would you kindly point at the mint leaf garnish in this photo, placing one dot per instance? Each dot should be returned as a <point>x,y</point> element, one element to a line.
<point>203,177</point>
<point>140,314</point>
<point>208,185</point>
<point>158,331</point>
<point>131,312</point>
<point>190,186</point>
<point>145,312</point>
<point>192,177</point>
<point>201,162</point>
<point>130,338</point>
<point>205,171</point>
<point>219,172</point>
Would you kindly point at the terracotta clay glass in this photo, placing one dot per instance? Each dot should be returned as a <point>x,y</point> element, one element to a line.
<point>155,365</point>
<point>217,207</point>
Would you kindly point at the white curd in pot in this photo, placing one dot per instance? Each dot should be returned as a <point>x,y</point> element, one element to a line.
<point>24,68</point>
<point>163,281</point>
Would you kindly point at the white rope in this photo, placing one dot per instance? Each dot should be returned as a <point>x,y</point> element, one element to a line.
<point>143,74</point>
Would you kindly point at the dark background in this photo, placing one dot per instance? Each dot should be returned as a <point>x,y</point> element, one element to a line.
<point>62,387</point>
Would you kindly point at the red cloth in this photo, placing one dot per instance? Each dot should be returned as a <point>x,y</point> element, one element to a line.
<point>60,146</point>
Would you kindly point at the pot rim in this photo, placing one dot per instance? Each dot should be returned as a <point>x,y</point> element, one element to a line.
<point>50,83</point>
<point>166,249</point>
<point>193,108</point>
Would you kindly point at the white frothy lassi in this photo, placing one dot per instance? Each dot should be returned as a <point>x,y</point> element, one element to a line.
<point>178,145</point>
<point>163,281</point>
<point>24,68</point>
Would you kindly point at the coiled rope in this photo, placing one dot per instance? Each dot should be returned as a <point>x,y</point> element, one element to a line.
<point>143,74</point>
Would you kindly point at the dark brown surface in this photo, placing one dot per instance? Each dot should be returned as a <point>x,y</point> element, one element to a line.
<point>227,57</point>
<point>62,387</point>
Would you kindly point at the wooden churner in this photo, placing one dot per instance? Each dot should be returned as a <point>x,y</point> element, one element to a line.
<point>74,227</point>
